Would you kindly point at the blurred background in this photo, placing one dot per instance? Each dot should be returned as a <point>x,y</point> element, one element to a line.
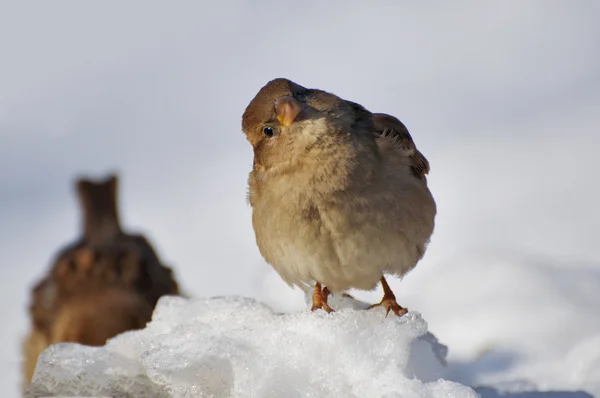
<point>503,99</point>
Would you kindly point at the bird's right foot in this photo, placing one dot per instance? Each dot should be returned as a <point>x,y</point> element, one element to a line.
<point>319,298</point>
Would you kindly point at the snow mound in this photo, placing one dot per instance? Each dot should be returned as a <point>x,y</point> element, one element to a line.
<point>238,347</point>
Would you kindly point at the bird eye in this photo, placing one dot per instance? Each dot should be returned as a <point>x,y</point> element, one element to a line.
<point>268,131</point>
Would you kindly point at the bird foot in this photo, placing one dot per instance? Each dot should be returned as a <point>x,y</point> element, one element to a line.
<point>390,304</point>
<point>323,306</point>
<point>319,298</point>
<point>389,301</point>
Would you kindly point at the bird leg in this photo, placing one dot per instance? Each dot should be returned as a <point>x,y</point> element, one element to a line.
<point>319,298</point>
<point>389,301</point>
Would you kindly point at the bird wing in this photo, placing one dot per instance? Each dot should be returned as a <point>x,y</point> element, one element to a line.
<point>387,126</point>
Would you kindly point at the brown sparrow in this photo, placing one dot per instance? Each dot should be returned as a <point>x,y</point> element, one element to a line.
<point>338,194</point>
<point>105,283</point>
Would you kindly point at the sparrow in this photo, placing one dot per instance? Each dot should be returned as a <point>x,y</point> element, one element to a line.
<point>105,283</point>
<point>339,194</point>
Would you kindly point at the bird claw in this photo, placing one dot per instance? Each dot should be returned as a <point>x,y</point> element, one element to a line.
<point>319,298</point>
<point>389,301</point>
<point>324,306</point>
<point>390,304</point>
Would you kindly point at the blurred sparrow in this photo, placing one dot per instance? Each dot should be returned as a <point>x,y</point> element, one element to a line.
<point>105,283</point>
<point>338,194</point>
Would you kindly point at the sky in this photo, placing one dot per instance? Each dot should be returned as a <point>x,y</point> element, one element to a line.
<point>502,98</point>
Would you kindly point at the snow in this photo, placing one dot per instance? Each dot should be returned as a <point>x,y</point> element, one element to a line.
<point>511,322</point>
<point>238,347</point>
<point>527,323</point>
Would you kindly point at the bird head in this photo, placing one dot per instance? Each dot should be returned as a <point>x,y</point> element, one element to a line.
<point>286,120</point>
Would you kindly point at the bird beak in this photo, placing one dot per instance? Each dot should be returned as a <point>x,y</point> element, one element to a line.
<point>287,109</point>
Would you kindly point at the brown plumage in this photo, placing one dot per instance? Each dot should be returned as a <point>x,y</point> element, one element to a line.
<point>339,195</point>
<point>106,283</point>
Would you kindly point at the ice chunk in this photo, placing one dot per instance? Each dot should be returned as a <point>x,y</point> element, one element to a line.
<point>238,347</point>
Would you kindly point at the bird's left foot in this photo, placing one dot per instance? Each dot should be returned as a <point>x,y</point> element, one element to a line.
<point>319,298</point>
<point>389,301</point>
<point>390,304</point>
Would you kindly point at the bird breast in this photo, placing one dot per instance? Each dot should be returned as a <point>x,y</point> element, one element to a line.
<point>346,239</point>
